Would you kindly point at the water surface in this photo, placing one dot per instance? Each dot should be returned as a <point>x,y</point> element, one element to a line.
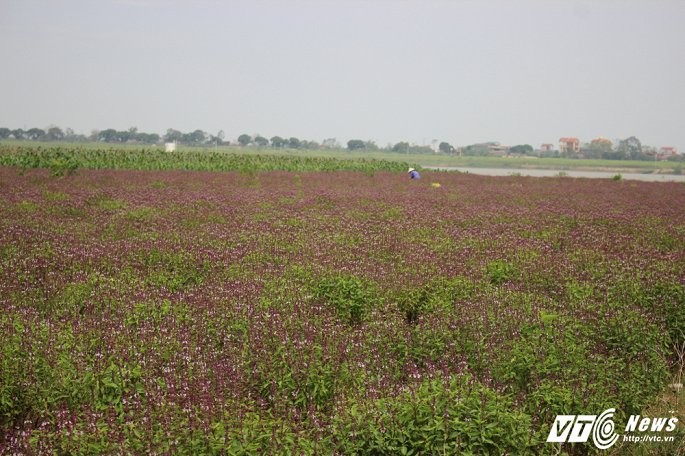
<point>650,177</point>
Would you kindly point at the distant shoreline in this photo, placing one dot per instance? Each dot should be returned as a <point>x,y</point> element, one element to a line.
<point>593,173</point>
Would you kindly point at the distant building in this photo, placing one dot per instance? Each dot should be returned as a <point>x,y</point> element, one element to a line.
<point>666,152</point>
<point>601,142</point>
<point>569,145</point>
<point>547,147</point>
<point>498,150</point>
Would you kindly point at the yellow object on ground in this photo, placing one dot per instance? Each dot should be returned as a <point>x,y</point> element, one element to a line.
<point>435,184</point>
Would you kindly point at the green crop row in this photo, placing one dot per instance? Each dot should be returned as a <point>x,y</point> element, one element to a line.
<point>63,160</point>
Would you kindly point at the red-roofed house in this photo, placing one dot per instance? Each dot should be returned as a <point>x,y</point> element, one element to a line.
<point>568,145</point>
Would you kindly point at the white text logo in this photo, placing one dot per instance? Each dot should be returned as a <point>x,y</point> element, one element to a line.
<point>578,428</point>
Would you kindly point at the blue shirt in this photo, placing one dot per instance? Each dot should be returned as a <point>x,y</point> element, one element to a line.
<point>414,174</point>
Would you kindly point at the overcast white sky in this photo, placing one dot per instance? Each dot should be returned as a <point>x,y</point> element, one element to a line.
<point>527,71</point>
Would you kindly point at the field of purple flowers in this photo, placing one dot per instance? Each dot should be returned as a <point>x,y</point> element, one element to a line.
<point>330,313</point>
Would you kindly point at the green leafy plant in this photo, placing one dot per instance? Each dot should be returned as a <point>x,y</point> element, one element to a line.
<point>63,166</point>
<point>500,271</point>
<point>436,417</point>
<point>352,297</point>
<point>438,293</point>
<point>173,271</point>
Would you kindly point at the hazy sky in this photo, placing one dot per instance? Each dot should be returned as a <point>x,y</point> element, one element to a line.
<point>527,71</point>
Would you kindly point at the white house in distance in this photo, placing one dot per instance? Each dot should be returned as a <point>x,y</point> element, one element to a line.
<point>170,146</point>
<point>666,152</point>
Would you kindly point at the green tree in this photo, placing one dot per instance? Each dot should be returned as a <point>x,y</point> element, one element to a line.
<point>196,138</point>
<point>402,147</point>
<point>294,143</point>
<point>355,144</point>
<point>35,134</point>
<point>109,135</point>
<point>630,148</point>
<point>477,150</point>
<point>147,138</point>
<point>173,135</point>
<point>261,141</point>
<point>54,134</point>
<point>331,143</point>
<point>70,135</point>
<point>5,133</point>
<point>244,139</point>
<point>312,145</point>
<point>446,148</point>
<point>18,133</point>
<point>598,148</point>
<point>370,145</point>
<point>123,136</point>
<point>522,149</point>
<point>215,140</point>
<point>277,142</point>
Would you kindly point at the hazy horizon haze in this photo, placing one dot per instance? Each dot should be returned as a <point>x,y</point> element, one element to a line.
<point>457,71</point>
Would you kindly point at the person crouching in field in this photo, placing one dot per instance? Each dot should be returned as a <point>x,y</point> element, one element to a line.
<point>414,174</point>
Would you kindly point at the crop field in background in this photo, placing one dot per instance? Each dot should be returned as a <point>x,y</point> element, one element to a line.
<point>428,160</point>
<point>338,312</point>
<point>62,160</point>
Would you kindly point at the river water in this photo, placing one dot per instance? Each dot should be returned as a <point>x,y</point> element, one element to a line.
<point>650,177</point>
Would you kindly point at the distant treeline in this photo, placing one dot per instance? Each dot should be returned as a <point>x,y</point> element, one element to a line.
<point>627,149</point>
<point>200,138</point>
<point>132,135</point>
